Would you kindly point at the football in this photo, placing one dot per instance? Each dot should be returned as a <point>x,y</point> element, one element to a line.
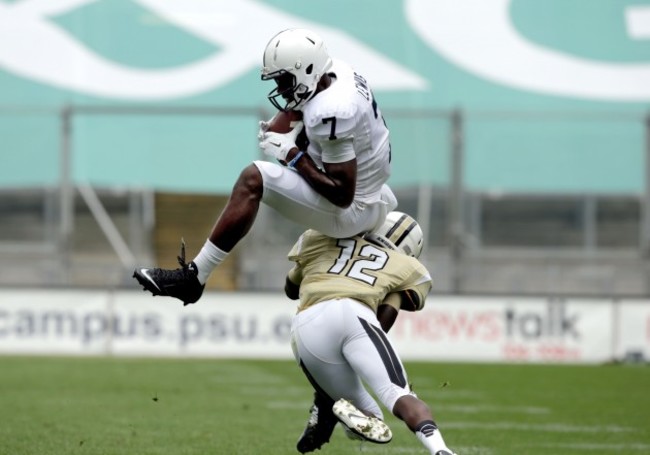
<point>284,121</point>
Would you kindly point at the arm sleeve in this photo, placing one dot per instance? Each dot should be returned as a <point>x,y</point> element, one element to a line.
<point>336,139</point>
<point>295,274</point>
<point>338,151</point>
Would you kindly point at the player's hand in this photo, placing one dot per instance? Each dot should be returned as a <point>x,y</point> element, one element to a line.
<point>278,145</point>
<point>264,127</point>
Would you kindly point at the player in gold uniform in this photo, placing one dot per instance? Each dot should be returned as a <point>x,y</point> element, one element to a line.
<point>337,337</point>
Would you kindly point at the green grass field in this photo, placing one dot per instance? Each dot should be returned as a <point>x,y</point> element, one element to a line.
<point>106,406</point>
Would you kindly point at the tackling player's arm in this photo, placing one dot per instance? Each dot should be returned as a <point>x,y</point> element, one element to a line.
<point>414,292</point>
<point>388,310</point>
<point>407,300</point>
<point>292,283</point>
<point>410,300</point>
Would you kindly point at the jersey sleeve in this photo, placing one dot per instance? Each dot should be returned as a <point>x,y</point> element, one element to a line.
<point>302,252</point>
<point>296,250</point>
<point>335,135</point>
<point>295,275</point>
<point>415,289</point>
<point>393,299</point>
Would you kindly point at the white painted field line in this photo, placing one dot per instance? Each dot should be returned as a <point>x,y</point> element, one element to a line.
<point>245,374</point>
<point>244,379</point>
<point>430,391</point>
<point>478,409</point>
<point>393,449</point>
<point>289,404</point>
<point>274,391</point>
<point>610,448</point>
<point>442,409</point>
<point>539,427</point>
<point>472,450</point>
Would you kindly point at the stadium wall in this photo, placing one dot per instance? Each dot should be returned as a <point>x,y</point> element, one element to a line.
<point>167,95</point>
<point>252,325</point>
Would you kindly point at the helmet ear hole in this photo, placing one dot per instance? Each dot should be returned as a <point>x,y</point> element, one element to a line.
<point>400,232</point>
<point>309,69</point>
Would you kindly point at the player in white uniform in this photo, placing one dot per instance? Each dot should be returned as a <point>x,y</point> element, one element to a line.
<point>338,339</point>
<point>337,186</point>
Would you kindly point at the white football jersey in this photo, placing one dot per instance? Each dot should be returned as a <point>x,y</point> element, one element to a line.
<point>328,269</point>
<point>343,122</point>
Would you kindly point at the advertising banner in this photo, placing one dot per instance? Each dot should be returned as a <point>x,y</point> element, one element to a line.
<point>132,323</point>
<point>632,342</point>
<point>507,329</point>
<point>258,325</point>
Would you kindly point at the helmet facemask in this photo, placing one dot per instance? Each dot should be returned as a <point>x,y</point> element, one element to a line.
<point>287,95</point>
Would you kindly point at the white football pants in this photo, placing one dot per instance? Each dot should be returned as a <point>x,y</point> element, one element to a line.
<point>339,344</point>
<point>288,193</point>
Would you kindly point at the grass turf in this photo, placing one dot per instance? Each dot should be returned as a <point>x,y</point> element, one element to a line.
<point>93,406</point>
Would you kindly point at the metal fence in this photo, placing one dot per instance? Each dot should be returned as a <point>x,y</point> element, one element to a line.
<point>70,233</point>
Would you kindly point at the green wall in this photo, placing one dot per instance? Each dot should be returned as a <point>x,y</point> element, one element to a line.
<point>529,126</point>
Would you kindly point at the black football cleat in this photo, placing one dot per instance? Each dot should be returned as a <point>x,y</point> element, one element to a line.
<point>320,425</point>
<point>182,283</point>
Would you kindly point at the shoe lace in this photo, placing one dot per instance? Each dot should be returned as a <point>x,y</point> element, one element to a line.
<point>184,272</point>
<point>313,416</point>
<point>181,258</point>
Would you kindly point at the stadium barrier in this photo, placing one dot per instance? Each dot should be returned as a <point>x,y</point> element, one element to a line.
<point>257,325</point>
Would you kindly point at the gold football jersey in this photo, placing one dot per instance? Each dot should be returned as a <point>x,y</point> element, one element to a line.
<point>328,268</point>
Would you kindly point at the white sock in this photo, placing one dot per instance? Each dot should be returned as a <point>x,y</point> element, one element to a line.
<point>430,437</point>
<point>208,258</point>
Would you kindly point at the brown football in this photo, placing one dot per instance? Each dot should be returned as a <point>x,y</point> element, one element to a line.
<point>282,122</point>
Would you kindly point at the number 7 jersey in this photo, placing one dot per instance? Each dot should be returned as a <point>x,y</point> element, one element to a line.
<point>343,122</point>
<point>327,268</point>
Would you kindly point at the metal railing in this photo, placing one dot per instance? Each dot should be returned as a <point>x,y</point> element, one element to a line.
<point>459,253</point>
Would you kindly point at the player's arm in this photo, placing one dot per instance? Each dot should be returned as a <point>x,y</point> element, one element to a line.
<point>388,310</point>
<point>336,183</point>
<point>414,291</point>
<point>411,300</point>
<point>291,289</point>
<point>292,283</point>
<point>407,300</point>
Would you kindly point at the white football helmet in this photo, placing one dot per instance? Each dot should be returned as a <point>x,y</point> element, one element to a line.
<point>296,59</point>
<point>399,232</point>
